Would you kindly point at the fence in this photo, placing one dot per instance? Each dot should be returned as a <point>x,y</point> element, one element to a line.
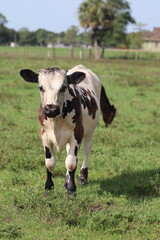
<point>78,52</point>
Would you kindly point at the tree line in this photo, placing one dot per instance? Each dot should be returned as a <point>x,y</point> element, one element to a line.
<point>104,22</point>
<point>41,37</point>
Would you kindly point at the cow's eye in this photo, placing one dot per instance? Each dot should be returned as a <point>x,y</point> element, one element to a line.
<point>62,89</point>
<point>41,88</point>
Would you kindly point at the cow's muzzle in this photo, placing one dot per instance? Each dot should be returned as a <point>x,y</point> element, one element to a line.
<point>51,110</point>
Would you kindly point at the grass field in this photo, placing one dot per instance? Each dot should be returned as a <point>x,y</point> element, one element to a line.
<point>77,53</point>
<point>121,200</point>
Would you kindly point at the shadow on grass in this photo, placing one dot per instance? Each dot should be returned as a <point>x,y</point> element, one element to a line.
<point>133,184</point>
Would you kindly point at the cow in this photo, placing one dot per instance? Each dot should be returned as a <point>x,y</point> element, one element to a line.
<point>69,113</point>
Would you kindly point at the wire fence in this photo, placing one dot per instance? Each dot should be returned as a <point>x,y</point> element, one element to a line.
<point>79,52</point>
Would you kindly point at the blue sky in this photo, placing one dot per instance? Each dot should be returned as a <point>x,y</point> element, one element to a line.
<point>59,15</point>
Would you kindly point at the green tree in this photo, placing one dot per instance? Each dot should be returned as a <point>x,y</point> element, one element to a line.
<point>44,37</point>
<point>26,37</point>
<point>41,36</point>
<point>61,37</point>
<point>135,40</point>
<point>3,20</point>
<point>71,35</point>
<point>103,17</point>
<point>23,29</point>
<point>5,33</point>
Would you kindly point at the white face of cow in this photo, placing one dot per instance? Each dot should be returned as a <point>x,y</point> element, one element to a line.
<point>53,83</point>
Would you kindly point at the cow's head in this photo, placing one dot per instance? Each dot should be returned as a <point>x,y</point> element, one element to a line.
<point>53,83</point>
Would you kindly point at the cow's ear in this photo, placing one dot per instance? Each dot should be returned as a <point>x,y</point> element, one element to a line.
<point>29,75</point>
<point>76,77</point>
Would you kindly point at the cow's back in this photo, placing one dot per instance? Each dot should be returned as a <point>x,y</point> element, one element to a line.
<point>91,81</point>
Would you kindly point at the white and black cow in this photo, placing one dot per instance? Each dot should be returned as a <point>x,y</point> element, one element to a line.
<point>69,112</point>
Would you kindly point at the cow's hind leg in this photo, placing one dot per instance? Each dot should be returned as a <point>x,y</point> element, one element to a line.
<point>71,165</point>
<point>84,169</point>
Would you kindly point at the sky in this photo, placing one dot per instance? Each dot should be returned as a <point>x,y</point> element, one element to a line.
<point>59,15</point>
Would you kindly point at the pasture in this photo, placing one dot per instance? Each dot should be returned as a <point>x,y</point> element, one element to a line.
<point>121,200</point>
<point>79,52</point>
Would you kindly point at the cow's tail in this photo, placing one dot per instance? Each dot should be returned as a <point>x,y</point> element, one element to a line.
<point>108,110</point>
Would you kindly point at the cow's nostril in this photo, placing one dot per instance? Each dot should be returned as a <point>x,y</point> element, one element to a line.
<point>51,110</point>
<point>51,106</point>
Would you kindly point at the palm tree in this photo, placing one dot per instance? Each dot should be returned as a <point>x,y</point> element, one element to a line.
<point>102,16</point>
<point>96,15</point>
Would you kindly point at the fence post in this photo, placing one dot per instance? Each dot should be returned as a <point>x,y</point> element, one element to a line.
<point>48,54</point>
<point>128,53</point>
<point>72,51</point>
<point>136,55</point>
<point>54,51</point>
<point>81,53</point>
<point>90,51</point>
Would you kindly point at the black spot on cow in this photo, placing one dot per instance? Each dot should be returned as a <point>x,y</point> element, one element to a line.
<point>69,106</point>
<point>76,151</point>
<point>88,101</point>
<point>47,152</point>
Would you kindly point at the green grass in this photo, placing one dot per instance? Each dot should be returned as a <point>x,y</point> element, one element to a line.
<point>66,52</point>
<point>121,200</point>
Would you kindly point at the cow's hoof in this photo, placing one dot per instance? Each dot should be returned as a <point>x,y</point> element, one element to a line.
<point>66,182</point>
<point>83,176</point>
<point>47,193</point>
<point>82,181</point>
<point>49,185</point>
<point>71,189</point>
<point>71,195</point>
<point>69,184</point>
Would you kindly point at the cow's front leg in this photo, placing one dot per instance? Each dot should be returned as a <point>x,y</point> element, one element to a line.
<point>50,163</point>
<point>49,182</point>
<point>71,165</point>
